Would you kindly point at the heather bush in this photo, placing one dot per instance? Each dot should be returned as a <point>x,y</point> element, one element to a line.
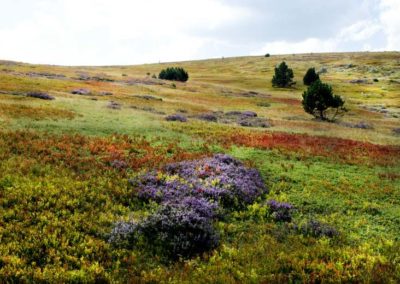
<point>280,211</point>
<point>247,121</point>
<point>317,229</point>
<point>176,117</point>
<point>208,117</point>
<point>192,194</point>
<point>220,178</point>
<point>81,91</point>
<point>118,164</point>
<point>175,230</point>
<point>249,114</point>
<point>179,230</point>
<point>40,95</point>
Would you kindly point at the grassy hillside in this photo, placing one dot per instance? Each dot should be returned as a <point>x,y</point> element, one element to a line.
<point>61,193</point>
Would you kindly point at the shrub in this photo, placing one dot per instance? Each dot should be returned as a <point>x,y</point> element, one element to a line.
<point>176,117</point>
<point>192,195</point>
<point>40,95</point>
<point>174,74</point>
<point>281,211</point>
<point>179,231</point>
<point>267,55</point>
<point>317,229</point>
<point>283,76</point>
<point>310,77</point>
<point>174,231</point>
<point>247,121</point>
<point>220,178</point>
<point>208,117</point>
<point>319,98</point>
<point>249,114</point>
<point>80,92</point>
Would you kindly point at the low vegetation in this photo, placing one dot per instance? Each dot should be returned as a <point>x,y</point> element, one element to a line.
<point>110,186</point>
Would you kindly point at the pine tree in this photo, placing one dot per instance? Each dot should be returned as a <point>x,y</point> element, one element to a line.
<point>319,98</point>
<point>310,77</point>
<point>283,76</point>
<point>174,74</point>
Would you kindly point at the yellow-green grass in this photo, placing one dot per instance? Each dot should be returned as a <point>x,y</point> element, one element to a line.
<point>59,195</point>
<point>218,85</point>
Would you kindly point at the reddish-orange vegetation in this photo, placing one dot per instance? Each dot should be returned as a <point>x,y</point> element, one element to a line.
<point>83,154</point>
<point>343,149</point>
<point>287,101</point>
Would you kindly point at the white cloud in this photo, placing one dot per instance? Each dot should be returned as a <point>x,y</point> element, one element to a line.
<point>390,19</point>
<point>305,46</point>
<point>362,30</point>
<point>114,32</point>
<point>376,33</point>
<point>95,32</point>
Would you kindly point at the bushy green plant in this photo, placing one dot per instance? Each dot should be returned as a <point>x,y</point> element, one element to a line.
<point>174,74</point>
<point>319,98</point>
<point>283,76</point>
<point>310,77</point>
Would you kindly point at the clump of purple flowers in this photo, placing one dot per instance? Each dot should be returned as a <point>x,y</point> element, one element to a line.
<point>192,195</point>
<point>281,211</point>
<point>175,230</point>
<point>119,164</point>
<point>40,95</point>
<point>317,229</point>
<point>178,230</point>
<point>220,178</point>
<point>208,117</point>
<point>176,117</point>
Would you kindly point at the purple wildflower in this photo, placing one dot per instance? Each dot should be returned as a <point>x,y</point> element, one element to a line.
<point>281,211</point>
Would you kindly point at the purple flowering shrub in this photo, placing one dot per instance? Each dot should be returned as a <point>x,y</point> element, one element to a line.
<point>220,178</point>
<point>317,229</point>
<point>176,117</point>
<point>192,195</point>
<point>40,95</point>
<point>124,233</point>
<point>178,230</point>
<point>280,211</point>
<point>173,231</point>
<point>118,164</point>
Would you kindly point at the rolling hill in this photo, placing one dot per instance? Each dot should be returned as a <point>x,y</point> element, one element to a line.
<point>73,138</point>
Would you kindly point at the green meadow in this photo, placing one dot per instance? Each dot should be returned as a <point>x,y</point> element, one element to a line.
<point>60,196</point>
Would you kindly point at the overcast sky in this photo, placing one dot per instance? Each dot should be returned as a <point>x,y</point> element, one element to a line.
<point>108,32</point>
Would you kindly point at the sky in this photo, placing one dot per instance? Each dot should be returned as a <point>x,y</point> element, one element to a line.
<point>123,32</point>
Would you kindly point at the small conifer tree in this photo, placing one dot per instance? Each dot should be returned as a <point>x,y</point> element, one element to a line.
<point>310,77</point>
<point>319,98</point>
<point>283,76</point>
